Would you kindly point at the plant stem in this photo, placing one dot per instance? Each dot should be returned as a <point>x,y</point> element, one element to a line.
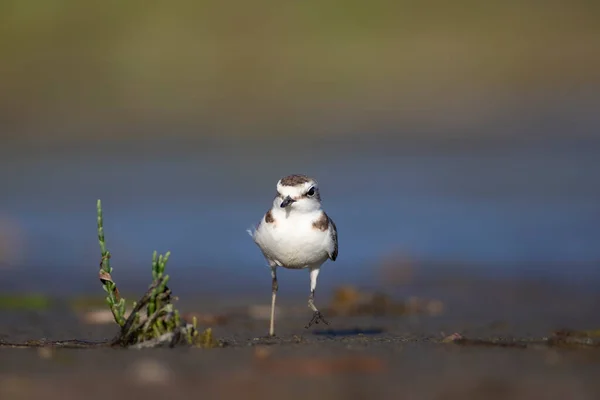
<point>115,302</point>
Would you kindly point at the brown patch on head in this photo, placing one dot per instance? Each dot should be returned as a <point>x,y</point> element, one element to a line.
<point>322,223</point>
<point>269,217</point>
<point>294,180</point>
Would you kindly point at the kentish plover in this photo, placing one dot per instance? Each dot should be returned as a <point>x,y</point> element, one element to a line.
<point>297,234</point>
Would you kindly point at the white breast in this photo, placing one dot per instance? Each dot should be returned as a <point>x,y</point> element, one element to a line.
<point>293,242</point>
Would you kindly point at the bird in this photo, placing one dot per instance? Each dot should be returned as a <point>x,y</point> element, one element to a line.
<point>296,233</point>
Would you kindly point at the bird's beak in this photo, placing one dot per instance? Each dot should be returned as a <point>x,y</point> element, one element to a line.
<point>287,201</point>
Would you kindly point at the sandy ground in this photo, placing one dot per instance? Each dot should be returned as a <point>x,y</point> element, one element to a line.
<point>406,360</point>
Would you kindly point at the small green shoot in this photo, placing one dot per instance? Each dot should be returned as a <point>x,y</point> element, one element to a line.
<point>113,299</point>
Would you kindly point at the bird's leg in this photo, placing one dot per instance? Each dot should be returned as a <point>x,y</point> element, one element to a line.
<point>274,287</point>
<point>317,316</point>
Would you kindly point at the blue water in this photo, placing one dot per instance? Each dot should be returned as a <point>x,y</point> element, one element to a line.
<point>493,206</point>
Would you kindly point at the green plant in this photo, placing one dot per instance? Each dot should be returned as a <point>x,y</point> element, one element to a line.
<point>114,300</point>
<point>154,320</point>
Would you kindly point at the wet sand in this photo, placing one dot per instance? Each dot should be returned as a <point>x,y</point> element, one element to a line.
<point>406,360</point>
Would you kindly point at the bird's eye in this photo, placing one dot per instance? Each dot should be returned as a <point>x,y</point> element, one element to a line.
<point>311,192</point>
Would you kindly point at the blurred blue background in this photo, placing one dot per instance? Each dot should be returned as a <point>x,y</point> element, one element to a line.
<point>459,135</point>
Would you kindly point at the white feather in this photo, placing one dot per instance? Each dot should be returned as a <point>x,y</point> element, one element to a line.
<point>292,241</point>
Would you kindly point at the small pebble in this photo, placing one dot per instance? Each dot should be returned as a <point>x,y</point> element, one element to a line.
<point>45,352</point>
<point>149,371</point>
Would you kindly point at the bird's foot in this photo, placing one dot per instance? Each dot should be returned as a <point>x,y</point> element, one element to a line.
<point>316,318</point>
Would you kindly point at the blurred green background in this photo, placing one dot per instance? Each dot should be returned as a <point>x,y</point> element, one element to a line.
<point>71,70</point>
